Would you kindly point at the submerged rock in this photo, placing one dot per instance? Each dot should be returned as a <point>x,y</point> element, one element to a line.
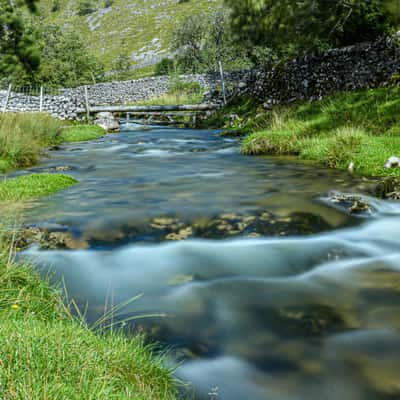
<point>47,239</point>
<point>353,204</point>
<point>309,320</point>
<point>61,168</point>
<point>183,234</point>
<point>388,188</point>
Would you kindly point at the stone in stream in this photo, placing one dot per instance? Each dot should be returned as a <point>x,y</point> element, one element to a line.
<point>183,234</point>
<point>308,320</point>
<point>352,204</point>
<point>61,168</point>
<point>48,239</point>
<point>107,121</point>
<point>388,188</point>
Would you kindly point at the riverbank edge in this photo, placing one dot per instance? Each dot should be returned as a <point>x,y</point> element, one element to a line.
<point>45,350</point>
<point>356,131</point>
<point>26,137</point>
<point>35,317</point>
<point>37,325</point>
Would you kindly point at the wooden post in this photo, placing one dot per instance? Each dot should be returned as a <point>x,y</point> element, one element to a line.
<point>7,98</point>
<point>127,117</point>
<point>221,71</point>
<point>41,99</point>
<point>87,104</point>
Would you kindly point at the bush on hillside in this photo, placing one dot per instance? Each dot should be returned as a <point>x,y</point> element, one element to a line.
<point>165,67</point>
<point>85,7</point>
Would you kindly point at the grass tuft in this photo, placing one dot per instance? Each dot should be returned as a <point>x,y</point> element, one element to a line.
<point>23,137</point>
<point>35,185</point>
<point>81,133</point>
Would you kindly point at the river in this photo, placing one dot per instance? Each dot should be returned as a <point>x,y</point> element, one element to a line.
<point>276,293</point>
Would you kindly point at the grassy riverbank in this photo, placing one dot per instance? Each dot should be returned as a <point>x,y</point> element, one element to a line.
<point>47,354</point>
<point>24,137</point>
<point>362,128</point>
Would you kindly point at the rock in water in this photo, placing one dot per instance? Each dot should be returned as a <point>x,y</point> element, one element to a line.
<point>107,121</point>
<point>388,188</point>
<point>353,204</point>
<point>392,162</point>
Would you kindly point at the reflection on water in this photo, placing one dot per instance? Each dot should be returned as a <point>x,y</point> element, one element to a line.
<point>314,317</point>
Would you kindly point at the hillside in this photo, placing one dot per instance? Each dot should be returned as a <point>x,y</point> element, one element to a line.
<point>140,29</point>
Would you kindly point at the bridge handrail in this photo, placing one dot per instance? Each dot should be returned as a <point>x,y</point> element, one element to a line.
<point>150,108</point>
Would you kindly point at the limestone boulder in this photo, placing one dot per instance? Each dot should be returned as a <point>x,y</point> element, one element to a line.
<point>107,121</point>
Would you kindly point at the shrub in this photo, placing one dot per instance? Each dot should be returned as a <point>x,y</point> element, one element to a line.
<point>165,67</point>
<point>343,146</point>
<point>85,7</point>
<point>271,142</point>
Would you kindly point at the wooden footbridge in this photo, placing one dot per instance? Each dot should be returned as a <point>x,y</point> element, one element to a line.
<point>154,114</point>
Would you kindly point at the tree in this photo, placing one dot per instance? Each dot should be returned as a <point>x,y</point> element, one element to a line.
<point>290,26</point>
<point>18,52</point>
<point>65,60</point>
<point>202,41</point>
<point>122,66</point>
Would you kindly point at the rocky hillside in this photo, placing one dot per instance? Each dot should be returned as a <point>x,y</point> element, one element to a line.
<point>140,29</point>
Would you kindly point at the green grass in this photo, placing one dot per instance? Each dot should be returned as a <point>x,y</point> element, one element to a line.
<point>31,186</point>
<point>23,138</point>
<point>362,128</point>
<point>172,99</point>
<point>179,93</point>
<point>143,22</point>
<point>81,133</point>
<point>140,73</point>
<point>65,360</point>
<point>45,353</point>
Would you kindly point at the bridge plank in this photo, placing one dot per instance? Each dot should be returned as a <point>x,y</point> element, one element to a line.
<point>124,109</point>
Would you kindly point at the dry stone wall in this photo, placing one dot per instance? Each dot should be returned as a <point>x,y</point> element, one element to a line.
<point>367,65</point>
<point>68,101</point>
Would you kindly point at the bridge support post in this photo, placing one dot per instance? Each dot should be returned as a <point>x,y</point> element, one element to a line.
<point>87,104</point>
<point>41,99</point>
<point>221,71</point>
<point>7,98</point>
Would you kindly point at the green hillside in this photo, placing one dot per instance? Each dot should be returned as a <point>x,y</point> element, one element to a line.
<point>140,29</point>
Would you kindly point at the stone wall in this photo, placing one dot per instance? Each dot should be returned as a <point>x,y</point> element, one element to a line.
<point>314,76</point>
<point>68,101</point>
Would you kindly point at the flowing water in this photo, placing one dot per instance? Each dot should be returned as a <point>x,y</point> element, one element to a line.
<point>276,293</point>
